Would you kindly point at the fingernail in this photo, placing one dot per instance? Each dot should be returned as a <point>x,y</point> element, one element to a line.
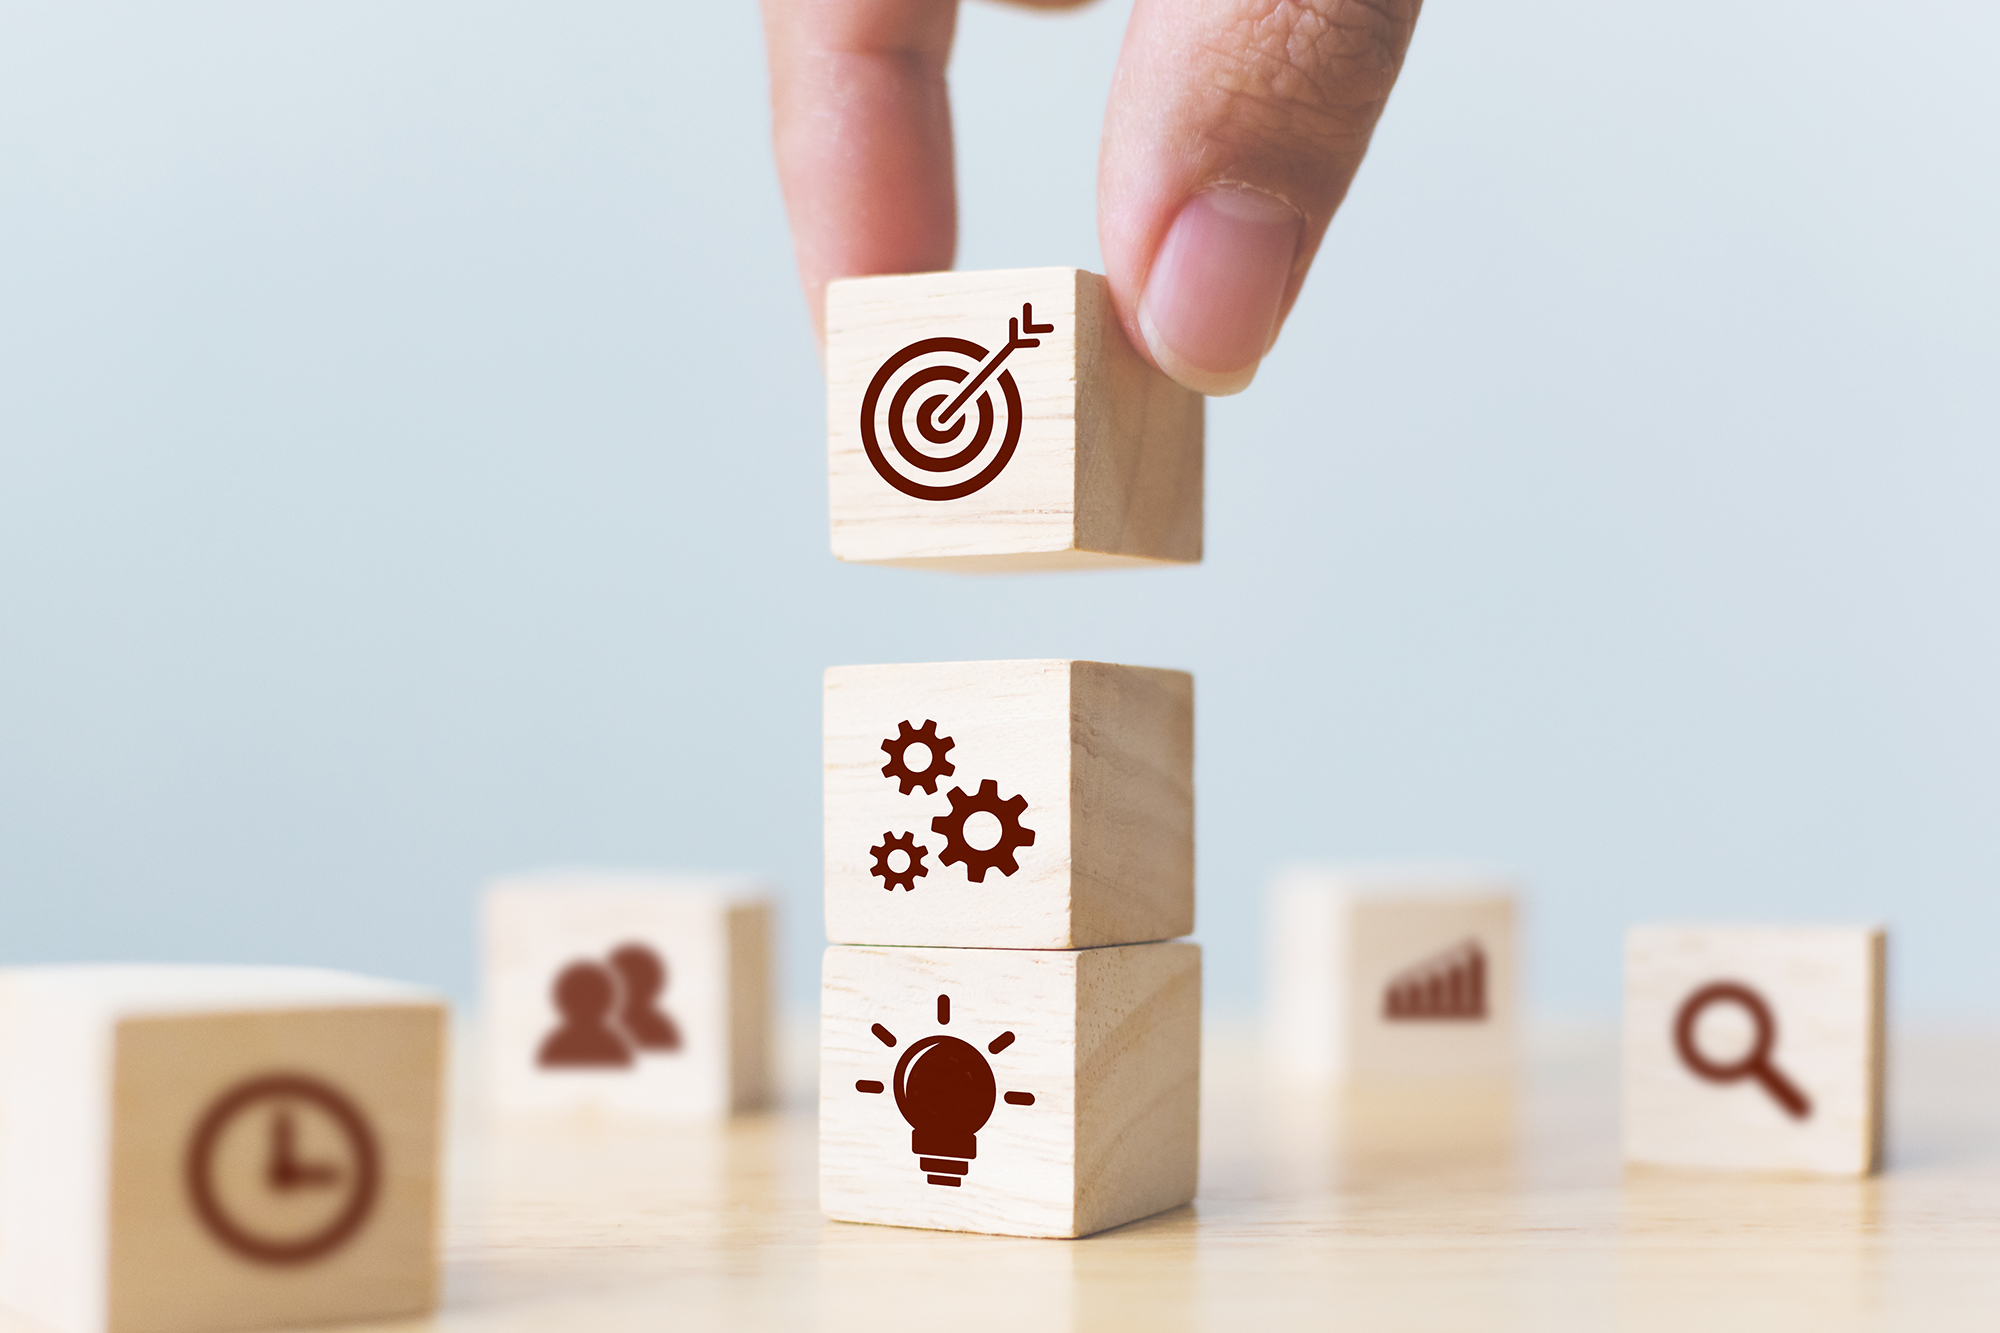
<point>1210,307</point>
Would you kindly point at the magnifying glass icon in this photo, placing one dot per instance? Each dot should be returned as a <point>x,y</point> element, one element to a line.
<point>1756,1063</point>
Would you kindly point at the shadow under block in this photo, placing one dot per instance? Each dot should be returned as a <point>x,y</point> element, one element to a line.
<point>1022,1092</point>
<point>1072,453</point>
<point>193,1149</point>
<point>1754,1047</point>
<point>1093,762</point>
<point>1382,975</point>
<point>626,994</point>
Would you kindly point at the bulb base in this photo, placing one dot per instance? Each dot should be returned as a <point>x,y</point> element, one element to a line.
<point>944,1143</point>
<point>942,1170</point>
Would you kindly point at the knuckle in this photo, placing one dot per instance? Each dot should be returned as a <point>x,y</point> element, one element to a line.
<point>1320,70</point>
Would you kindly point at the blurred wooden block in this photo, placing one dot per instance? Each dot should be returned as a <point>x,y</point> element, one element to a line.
<point>1071,452</point>
<point>190,1149</point>
<point>1017,805</point>
<point>1023,1092</point>
<point>1755,1047</point>
<point>627,994</point>
<point>1391,975</point>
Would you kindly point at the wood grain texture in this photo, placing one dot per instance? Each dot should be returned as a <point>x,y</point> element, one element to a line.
<point>1822,989</point>
<point>1108,468</point>
<point>1106,1044</point>
<point>1103,756</point>
<point>107,1075</point>
<point>713,937</point>
<point>1319,1208</point>
<point>1340,941</point>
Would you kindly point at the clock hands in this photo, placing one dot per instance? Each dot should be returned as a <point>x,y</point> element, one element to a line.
<point>284,1172</point>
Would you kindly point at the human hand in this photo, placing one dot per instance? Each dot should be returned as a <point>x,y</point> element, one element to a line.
<point>1233,131</point>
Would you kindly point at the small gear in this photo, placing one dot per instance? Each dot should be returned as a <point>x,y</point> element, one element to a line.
<point>891,877</point>
<point>898,748</point>
<point>1000,856</point>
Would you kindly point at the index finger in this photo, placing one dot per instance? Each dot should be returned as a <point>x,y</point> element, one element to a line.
<point>861,125</point>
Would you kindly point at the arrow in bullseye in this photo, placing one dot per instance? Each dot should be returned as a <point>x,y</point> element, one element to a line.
<point>1015,328</point>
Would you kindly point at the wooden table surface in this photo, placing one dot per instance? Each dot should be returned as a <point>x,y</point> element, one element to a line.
<point>1442,1211</point>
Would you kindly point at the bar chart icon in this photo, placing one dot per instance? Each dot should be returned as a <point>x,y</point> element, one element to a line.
<point>1446,987</point>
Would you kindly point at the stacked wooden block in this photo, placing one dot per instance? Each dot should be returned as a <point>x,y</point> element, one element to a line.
<point>1005,1044</point>
<point>195,1149</point>
<point>998,422</point>
<point>627,995</point>
<point>1010,1036</point>
<point>1382,976</point>
<point>1755,1047</point>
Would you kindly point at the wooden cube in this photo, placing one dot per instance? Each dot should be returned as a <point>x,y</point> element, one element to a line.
<point>1755,1047</point>
<point>1024,1092</point>
<point>191,1149</point>
<point>1391,975</point>
<point>627,994</point>
<point>1001,421</point>
<point>1015,805</point>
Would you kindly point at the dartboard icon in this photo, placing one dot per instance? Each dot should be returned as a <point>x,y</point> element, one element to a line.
<point>950,416</point>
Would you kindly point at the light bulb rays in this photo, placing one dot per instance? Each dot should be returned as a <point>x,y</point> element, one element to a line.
<point>946,1091</point>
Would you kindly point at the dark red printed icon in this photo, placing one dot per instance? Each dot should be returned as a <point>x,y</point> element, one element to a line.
<point>1756,1062</point>
<point>642,976</point>
<point>1446,987</point>
<point>997,854</point>
<point>609,1011</point>
<point>946,1091</point>
<point>282,1169</point>
<point>981,833</point>
<point>931,748</point>
<point>929,390</point>
<point>896,847</point>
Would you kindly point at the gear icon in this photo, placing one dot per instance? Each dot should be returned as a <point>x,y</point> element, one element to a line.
<point>1000,856</point>
<point>891,877</point>
<point>898,749</point>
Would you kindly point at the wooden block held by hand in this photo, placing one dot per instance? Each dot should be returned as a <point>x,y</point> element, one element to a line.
<point>1755,1047</point>
<point>1023,1092</point>
<point>194,1149</point>
<point>1018,805</point>
<point>1385,975</point>
<point>625,994</point>
<point>987,422</point>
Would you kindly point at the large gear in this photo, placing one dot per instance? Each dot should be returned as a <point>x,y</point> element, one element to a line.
<point>891,877</point>
<point>897,748</point>
<point>1000,856</point>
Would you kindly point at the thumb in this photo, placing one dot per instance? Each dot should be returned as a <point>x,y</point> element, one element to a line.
<point>1234,129</point>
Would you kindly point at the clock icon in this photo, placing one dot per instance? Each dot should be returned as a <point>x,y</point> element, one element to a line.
<point>282,1169</point>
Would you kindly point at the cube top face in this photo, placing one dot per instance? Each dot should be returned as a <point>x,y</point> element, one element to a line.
<point>274,1167</point>
<point>605,883</point>
<point>1000,421</point>
<point>1393,977</point>
<point>1043,804</point>
<point>1021,1092</point>
<point>630,995</point>
<point>115,990</point>
<point>1754,1047</point>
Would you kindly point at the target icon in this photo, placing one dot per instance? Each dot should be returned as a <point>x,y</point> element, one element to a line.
<point>939,403</point>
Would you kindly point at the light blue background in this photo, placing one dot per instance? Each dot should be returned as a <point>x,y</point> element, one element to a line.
<point>411,470</point>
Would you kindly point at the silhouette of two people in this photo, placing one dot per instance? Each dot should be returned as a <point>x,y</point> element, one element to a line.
<point>610,1010</point>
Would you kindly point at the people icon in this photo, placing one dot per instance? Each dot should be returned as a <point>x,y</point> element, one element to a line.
<point>609,1011</point>
<point>643,976</point>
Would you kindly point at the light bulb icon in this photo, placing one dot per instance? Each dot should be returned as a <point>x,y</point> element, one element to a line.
<point>946,1090</point>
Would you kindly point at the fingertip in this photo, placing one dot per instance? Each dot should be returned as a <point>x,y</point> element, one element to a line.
<point>1216,288</point>
<point>1210,383</point>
